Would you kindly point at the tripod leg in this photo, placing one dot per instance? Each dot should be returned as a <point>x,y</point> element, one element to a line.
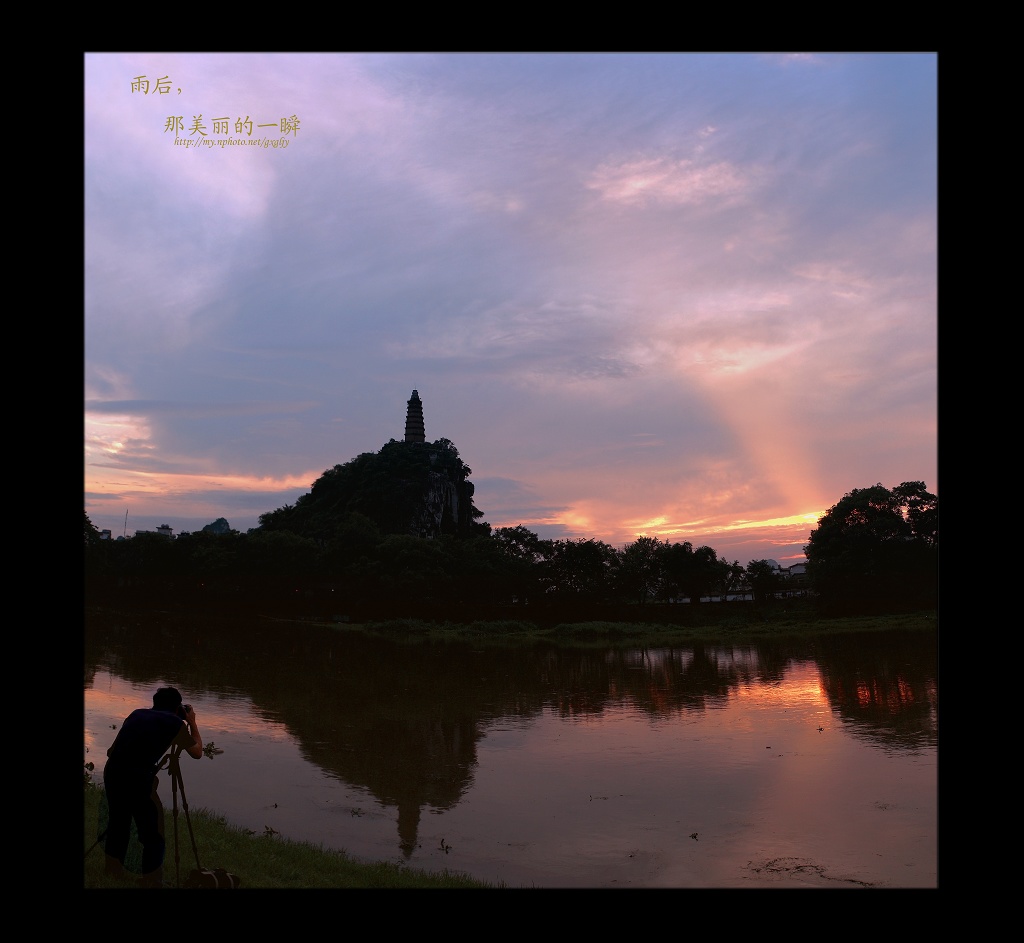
<point>178,783</point>
<point>175,781</point>
<point>188,821</point>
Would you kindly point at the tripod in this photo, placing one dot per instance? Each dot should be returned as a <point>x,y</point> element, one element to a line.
<point>172,762</point>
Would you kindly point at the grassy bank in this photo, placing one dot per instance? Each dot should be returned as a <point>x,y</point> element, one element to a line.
<point>260,861</point>
<point>717,626</point>
<point>650,625</point>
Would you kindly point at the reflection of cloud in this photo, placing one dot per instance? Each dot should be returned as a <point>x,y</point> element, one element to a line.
<point>110,699</point>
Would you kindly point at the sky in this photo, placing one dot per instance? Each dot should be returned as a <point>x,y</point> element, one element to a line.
<point>684,296</point>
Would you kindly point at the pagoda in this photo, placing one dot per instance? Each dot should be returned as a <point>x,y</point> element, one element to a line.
<point>414,429</point>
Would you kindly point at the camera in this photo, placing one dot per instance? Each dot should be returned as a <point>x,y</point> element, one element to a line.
<point>183,710</point>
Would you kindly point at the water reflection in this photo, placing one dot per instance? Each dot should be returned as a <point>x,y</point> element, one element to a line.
<point>403,724</point>
<point>893,698</point>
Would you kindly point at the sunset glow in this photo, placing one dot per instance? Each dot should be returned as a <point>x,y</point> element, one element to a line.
<point>684,295</point>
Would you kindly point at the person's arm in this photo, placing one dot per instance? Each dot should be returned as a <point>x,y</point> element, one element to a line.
<point>189,738</point>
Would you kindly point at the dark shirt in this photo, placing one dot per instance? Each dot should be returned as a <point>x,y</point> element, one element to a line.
<point>145,736</point>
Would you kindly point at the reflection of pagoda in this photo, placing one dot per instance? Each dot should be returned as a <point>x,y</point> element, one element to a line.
<point>414,429</point>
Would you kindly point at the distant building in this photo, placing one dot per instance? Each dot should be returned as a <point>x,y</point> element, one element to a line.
<point>164,529</point>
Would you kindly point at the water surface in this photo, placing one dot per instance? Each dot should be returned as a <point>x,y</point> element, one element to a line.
<point>807,764</point>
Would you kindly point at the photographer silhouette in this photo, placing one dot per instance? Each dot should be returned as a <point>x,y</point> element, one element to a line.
<point>130,780</point>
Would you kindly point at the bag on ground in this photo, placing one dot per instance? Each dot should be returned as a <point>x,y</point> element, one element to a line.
<point>211,877</point>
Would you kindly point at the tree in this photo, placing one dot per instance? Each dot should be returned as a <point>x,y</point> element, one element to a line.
<point>521,543</point>
<point>481,574</point>
<point>734,577</point>
<point>580,568</point>
<point>212,558</point>
<point>695,573</point>
<point>524,553</point>
<point>92,535</point>
<point>764,579</point>
<point>277,566</point>
<point>920,509</point>
<point>641,571</point>
<point>409,573</point>
<point>97,559</point>
<point>876,549</point>
<point>414,488</point>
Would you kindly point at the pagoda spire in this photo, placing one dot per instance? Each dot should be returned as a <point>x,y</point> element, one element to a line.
<point>414,431</point>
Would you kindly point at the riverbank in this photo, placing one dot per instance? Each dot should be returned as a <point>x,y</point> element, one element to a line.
<point>777,624</point>
<point>260,861</point>
<point>709,623</point>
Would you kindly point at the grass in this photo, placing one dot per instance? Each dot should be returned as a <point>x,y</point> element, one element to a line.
<point>260,861</point>
<point>772,623</point>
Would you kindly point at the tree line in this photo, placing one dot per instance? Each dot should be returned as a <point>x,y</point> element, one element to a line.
<point>875,550</point>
